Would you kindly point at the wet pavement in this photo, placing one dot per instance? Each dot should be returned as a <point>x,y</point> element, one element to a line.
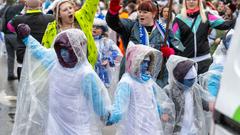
<point>8,90</point>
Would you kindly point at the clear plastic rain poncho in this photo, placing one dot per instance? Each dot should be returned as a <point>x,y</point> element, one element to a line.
<point>211,79</point>
<point>194,95</point>
<point>55,100</point>
<point>109,73</point>
<point>138,105</point>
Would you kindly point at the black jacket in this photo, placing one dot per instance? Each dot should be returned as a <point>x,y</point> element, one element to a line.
<point>38,22</point>
<point>183,31</point>
<point>11,11</point>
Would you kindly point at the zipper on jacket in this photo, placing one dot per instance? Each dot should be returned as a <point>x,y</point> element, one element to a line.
<point>195,42</point>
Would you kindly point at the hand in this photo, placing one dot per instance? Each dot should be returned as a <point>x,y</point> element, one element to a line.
<point>114,6</point>
<point>165,117</point>
<point>217,41</point>
<point>104,63</point>
<point>211,106</point>
<point>167,51</point>
<point>23,30</point>
<point>108,121</point>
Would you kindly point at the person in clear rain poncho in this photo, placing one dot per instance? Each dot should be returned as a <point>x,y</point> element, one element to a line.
<point>189,98</point>
<point>109,56</point>
<point>211,79</point>
<point>139,103</point>
<point>59,94</point>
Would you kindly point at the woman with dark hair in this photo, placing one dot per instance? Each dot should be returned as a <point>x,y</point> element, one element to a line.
<point>147,30</point>
<point>163,18</point>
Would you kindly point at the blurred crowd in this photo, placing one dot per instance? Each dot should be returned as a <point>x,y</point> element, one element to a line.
<point>151,67</point>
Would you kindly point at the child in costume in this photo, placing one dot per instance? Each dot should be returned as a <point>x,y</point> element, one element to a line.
<point>188,96</point>
<point>109,55</point>
<point>139,103</point>
<point>59,91</point>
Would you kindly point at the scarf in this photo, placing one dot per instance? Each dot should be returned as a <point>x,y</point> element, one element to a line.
<point>144,37</point>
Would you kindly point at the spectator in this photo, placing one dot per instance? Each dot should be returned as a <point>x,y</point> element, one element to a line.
<point>66,18</point>
<point>11,38</point>
<point>191,27</point>
<point>36,20</point>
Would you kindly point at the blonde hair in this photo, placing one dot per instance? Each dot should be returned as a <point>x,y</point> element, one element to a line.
<point>57,8</point>
<point>202,10</point>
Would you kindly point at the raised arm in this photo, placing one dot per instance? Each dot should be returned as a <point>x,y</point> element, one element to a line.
<point>87,13</point>
<point>47,56</point>
<point>218,22</point>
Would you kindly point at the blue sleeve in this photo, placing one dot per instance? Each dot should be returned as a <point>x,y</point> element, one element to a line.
<point>92,92</point>
<point>214,84</point>
<point>121,102</point>
<point>47,56</point>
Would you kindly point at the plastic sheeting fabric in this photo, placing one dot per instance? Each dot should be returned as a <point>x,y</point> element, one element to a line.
<point>138,105</point>
<point>176,93</point>
<point>55,100</point>
<point>2,45</point>
<point>106,47</point>
<point>211,79</point>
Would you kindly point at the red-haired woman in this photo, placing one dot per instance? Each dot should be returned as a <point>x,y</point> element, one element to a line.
<point>146,30</point>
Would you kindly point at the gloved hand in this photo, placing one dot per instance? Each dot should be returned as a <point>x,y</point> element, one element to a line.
<point>167,51</point>
<point>23,30</point>
<point>105,118</point>
<point>112,119</point>
<point>114,6</point>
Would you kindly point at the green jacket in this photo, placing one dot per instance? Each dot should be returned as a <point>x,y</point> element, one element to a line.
<point>84,17</point>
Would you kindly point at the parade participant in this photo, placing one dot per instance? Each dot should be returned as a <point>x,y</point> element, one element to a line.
<point>109,56</point>
<point>59,91</point>
<point>139,103</point>
<point>146,30</point>
<point>188,96</point>
<point>191,27</point>
<point>36,20</point>
<point>66,18</point>
<point>211,79</point>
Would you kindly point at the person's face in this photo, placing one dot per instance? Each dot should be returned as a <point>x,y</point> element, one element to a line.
<point>65,53</point>
<point>145,66</point>
<point>66,13</point>
<point>191,4</point>
<point>146,18</point>
<point>97,31</point>
<point>220,7</point>
<point>165,13</point>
